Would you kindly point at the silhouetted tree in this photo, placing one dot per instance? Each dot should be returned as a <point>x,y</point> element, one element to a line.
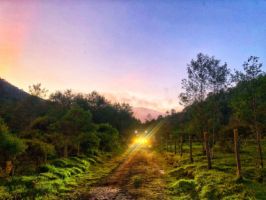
<point>248,100</point>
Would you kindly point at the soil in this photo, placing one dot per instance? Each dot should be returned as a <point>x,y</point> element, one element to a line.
<point>139,176</point>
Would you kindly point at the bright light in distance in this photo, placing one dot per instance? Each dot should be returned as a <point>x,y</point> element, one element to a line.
<point>141,141</point>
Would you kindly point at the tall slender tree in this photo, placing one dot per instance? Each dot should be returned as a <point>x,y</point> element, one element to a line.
<point>247,99</point>
<point>196,88</point>
<point>218,80</point>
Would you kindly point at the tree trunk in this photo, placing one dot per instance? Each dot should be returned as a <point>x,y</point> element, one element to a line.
<point>190,149</point>
<point>161,144</point>
<point>213,141</point>
<point>258,137</point>
<point>203,145</point>
<point>78,149</point>
<point>65,151</point>
<point>175,145</point>
<point>207,148</point>
<point>9,168</point>
<point>181,146</point>
<point>237,155</point>
<point>45,157</point>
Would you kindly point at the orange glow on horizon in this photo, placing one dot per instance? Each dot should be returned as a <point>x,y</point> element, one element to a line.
<point>15,24</point>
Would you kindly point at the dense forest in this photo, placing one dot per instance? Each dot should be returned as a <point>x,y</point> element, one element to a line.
<point>35,129</point>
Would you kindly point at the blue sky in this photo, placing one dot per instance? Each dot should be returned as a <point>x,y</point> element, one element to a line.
<point>132,51</point>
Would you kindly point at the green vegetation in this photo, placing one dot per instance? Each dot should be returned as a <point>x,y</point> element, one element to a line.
<point>213,148</point>
<point>137,181</point>
<point>218,104</point>
<point>48,146</point>
<point>188,180</point>
<point>56,179</point>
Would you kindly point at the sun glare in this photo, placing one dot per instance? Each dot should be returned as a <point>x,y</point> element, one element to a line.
<point>141,141</point>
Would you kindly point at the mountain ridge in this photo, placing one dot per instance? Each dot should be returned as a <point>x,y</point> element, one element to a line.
<point>10,91</point>
<point>144,114</point>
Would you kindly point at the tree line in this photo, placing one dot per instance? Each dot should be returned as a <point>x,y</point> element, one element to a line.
<point>35,129</point>
<point>218,103</point>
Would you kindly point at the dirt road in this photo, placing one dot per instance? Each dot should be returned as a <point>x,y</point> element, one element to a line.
<point>139,176</point>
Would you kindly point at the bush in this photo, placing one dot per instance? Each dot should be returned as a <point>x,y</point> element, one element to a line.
<point>137,181</point>
<point>208,192</point>
<point>178,173</point>
<point>53,178</point>
<point>10,145</point>
<point>183,186</point>
<point>60,172</point>
<point>90,143</point>
<point>4,194</point>
<point>49,176</point>
<point>109,137</point>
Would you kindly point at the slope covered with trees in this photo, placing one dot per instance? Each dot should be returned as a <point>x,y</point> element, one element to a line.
<point>220,132</point>
<point>35,130</point>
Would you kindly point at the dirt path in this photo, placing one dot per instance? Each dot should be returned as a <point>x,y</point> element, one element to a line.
<point>139,176</point>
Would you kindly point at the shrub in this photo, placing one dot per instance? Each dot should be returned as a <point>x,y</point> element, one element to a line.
<point>109,137</point>
<point>178,173</point>
<point>208,192</point>
<point>10,145</point>
<point>137,181</point>
<point>183,186</point>
<point>4,194</point>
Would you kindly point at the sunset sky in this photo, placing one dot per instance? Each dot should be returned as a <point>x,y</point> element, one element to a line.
<point>134,51</point>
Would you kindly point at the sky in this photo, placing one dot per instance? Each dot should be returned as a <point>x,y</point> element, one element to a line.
<point>130,51</point>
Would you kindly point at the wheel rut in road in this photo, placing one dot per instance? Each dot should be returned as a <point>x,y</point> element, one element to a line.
<point>138,176</point>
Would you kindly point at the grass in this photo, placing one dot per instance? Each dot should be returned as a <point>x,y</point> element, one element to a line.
<point>52,181</point>
<point>193,181</point>
<point>145,176</point>
<point>67,178</point>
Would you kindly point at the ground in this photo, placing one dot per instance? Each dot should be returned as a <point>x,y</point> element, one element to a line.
<point>139,175</point>
<point>144,173</point>
<point>157,174</point>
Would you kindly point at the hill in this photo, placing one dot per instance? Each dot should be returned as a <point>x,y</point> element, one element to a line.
<point>143,114</point>
<point>10,92</point>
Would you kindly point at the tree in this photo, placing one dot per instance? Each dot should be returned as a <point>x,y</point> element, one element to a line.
<point>248,99</point>
<point>196,89</point>
<point>41,123</point>
<point>218,81</point>
<point>25,111</point>
<point>75,122</point>
<point>190,127</point>
<point>10,146</point>
<point>196,85</point>
<point>109,137</point>
<point>90,143</point>
<point>64,99</point>
<point>39,150</point>
<point>205,74</point>
<point>37,90</point>
<point>37,139</point>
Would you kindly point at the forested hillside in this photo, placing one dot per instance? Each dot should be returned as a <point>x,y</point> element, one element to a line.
<point>217,141</point>
<point>218,101</point>
<point>10,92</point>
<point>36,130</point>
